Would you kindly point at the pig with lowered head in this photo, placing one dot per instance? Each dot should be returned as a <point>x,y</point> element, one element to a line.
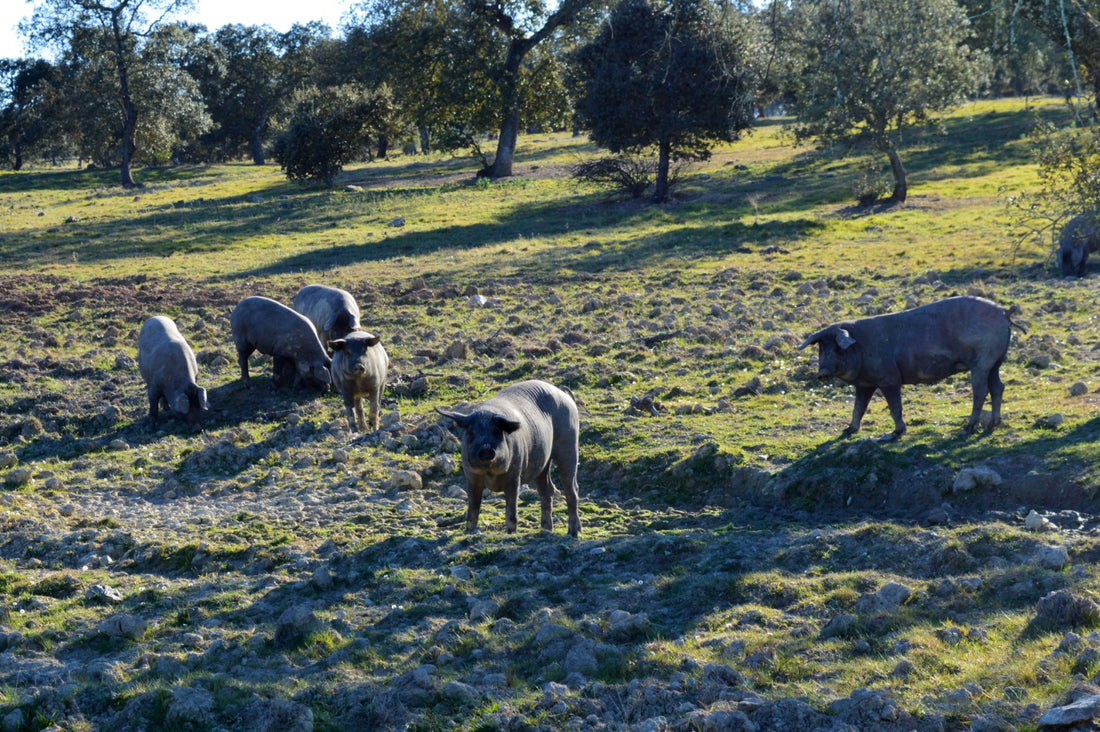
<point>264,325</point>
<point>1078,237</point>
<point>359,364</point>
<point>511,439</point>
<point>168,366</point>
<point>919,346</point>
<point>333,312</point>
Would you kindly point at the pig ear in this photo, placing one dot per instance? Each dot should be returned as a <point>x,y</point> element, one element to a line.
<point>203,404</point>
<point>813,339</point>
<point>335,346</point>
<point>372,340</point>
<point>844,339</point>
<point>505,424</point>
<point>462,420</point>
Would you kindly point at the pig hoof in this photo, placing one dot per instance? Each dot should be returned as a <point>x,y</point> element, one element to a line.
<point>889,437</point>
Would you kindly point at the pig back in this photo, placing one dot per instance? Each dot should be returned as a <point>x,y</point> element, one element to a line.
<point>333,312</point>
<point>931,342</point>
<point>163,352</point>
<point>548,418</point>
<point>274,329</point>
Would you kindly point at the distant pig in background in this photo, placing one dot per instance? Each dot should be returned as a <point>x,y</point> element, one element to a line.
<point>359,364</point>
<point>919,346</point>
<point>264,325</point>
<point>511,439</point>
<point>333,312</point>
<point>1078,237</point>
<point>168,366</point>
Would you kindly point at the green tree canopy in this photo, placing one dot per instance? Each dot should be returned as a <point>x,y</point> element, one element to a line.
<point>248,75</point>
<point>670,74</point>
<point>329,128</point>
<point>877,67</point>
<point>122,26</point>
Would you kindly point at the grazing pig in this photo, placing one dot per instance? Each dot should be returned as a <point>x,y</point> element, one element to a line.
<point>261,324</point>
<point>511,439</point>
<point>358,369</point>
<point>168,367</point>
<point>919,346</point>
<point>1078,238</point>
<point>332,311</point>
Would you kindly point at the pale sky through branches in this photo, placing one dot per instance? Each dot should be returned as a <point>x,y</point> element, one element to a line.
<point>280,15</point>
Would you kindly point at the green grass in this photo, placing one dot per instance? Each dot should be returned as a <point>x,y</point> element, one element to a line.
<point>733,517</point>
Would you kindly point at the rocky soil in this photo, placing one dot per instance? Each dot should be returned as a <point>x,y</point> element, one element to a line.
<point>274,572</point>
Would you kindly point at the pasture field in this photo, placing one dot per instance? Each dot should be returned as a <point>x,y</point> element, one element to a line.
<point>740,566</point>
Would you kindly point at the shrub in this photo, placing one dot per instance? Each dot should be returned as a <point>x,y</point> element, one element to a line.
<point>331,127</point>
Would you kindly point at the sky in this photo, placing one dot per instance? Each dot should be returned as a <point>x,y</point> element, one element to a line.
<point>279,14</point>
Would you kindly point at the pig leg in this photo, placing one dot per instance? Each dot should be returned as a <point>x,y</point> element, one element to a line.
<point>511,501</point>
<point>986,382</point>
<point>863,398</point>
<point>474,489</point>
<point>154,407</point>
<point>545,488</point>
<point>360,420</point>
<point>893,401</point>
<point>349,407</point>
<point>567,471</point>
<point>375,405</point>
<point>244,350</point>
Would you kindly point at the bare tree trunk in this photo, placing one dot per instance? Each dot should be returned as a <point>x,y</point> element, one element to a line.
<point>129,110</point>
<point>509,126</point>
<point>256,143</point>
<point>566,13</point>
<point>664,156</point>
<point>901,185</point>
<point>425,140</point>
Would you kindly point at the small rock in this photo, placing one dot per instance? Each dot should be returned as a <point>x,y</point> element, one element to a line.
<point>979,477</point>
<point>481,609</point>
<point>8,460</point>
<point>105,594</point>
<point>398,222</point>
<point>407,480</point>
<point>189,707</point>
<point>1052,557</point>
<point>1084,709</point>
<point>903,668</point>
<point>1078,389</point>
<point>322,579</point>
<point>840,625</point>
<point>1037,522</point>
<point>18,477</point>
<point>295,625</point>
<point>123,625</point>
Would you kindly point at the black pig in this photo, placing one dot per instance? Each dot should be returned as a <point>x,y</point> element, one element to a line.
<point>1077,239</point>
<point>919,346</point>
<point>511,439</point>
<point>359,364</point>
<point>264,325</point>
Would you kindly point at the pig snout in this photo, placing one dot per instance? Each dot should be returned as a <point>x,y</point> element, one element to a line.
<point>485,454</point>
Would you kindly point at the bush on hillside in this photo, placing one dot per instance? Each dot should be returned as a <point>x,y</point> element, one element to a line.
<point>331,128</point>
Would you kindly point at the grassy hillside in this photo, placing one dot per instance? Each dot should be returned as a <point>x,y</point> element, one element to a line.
<point>737,558</point>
